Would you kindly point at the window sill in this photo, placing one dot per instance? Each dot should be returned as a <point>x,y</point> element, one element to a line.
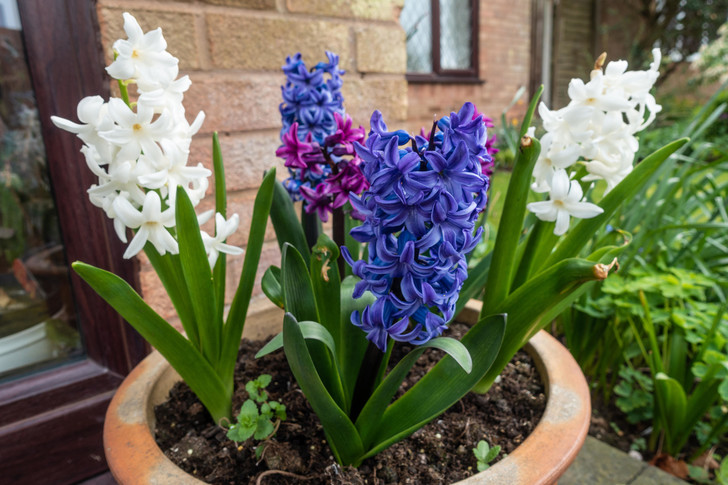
<point>416,78</point>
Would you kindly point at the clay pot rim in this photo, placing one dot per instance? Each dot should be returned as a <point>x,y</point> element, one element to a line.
<point>134,457</point>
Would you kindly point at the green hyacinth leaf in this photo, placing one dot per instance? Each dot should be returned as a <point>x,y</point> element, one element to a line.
<point>310,330</point>
<point>341,433</point>
<point>444,385</point>
<point>286,224</point>
<point>271,285</point>
<point>374,408</point>
<point>179,352</point>
<point>235,322</point>
<point>198,277</point>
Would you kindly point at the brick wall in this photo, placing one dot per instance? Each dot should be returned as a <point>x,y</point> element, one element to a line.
<point>504,59</point>
<point>574,47</point>
<point>232,51</point>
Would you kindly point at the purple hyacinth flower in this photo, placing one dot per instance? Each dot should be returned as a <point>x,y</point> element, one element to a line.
<point>379,127</point>
<point>419,221</point>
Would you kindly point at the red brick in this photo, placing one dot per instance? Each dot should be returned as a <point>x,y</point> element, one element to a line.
<point>246,157</point>
<point>236,102</point>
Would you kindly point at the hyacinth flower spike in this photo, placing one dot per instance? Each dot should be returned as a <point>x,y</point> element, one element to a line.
<point>139,152</point>
<point>318,148</point>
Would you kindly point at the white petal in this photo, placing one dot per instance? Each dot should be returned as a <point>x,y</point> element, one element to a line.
<point>89,108</point>
<point>544,210</point>
<point>122,68</point>
<point>584,210</point>
<point>154,40</point>
<point>197,124</point>
<point>212,257</point>
<point>559,185</point>
<point>121,113</point>
<point>152,209</point>
<point>120,229</point>
<point>562,222</point>
<point>575,192</point>
<point>67,125</point>
<point>229,249</point>
<point>137,244</point>
<point>205,216</point>
<point>127,213</point>
<point>132,28</point>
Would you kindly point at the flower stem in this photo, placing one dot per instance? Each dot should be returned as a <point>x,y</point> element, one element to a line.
<point>339,233</point>
<point>310,224</point>
<point>124,92</point>
<point>367,379</point>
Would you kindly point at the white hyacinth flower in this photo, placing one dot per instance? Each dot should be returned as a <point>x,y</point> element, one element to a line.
<point>142,57</point>
<point>593,95</point>
<point>122,177</point>
<point>565,200</point>
<point>172,172</point>
<point>169,97</point>
<point>139,150</point>
<point>598,127</point>
<point>216,245</point>
<point>136,132</point>
<point>553,158</point>
<point>151,224</point>
<point>93,114</point>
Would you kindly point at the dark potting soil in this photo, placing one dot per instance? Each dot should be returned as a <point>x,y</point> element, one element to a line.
<point>441,452</point>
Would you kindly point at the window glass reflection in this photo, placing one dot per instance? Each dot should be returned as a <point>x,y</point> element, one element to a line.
<point>38,324</point>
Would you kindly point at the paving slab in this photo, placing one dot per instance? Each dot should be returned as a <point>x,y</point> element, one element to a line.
<point>652,475</point>
<point>600,464</point>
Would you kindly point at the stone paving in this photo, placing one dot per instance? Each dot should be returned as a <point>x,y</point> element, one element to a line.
<point>601,464</point>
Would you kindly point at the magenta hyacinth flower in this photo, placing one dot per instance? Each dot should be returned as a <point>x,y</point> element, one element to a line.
<point>293,149</point>
<point>317,200</point>
<point>345,136</point>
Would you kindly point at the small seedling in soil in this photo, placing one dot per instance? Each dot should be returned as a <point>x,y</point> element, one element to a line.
<point>485,454</point>
<point>256,422</point>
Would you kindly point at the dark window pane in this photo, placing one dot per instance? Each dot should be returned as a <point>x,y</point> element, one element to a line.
<point>416,19</point>
<point>455,34</point>
<point>38,325</point>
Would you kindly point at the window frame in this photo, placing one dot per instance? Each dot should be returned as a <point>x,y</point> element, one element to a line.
<point>440,75</point>
<point>51,422</point>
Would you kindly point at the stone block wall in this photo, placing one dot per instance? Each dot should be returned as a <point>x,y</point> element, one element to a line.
<point>233,51</point>
<point>504,58</point>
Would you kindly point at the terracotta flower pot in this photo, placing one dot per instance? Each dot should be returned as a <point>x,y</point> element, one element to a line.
<point>134,457</point>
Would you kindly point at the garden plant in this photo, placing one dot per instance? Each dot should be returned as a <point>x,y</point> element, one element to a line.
<point>419,210</point>
<point>139,150</point>
<point>404,215</point>
<point>665,313</point>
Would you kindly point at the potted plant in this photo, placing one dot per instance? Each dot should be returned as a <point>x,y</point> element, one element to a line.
<point>419,206</point>
<point>135,458</point>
